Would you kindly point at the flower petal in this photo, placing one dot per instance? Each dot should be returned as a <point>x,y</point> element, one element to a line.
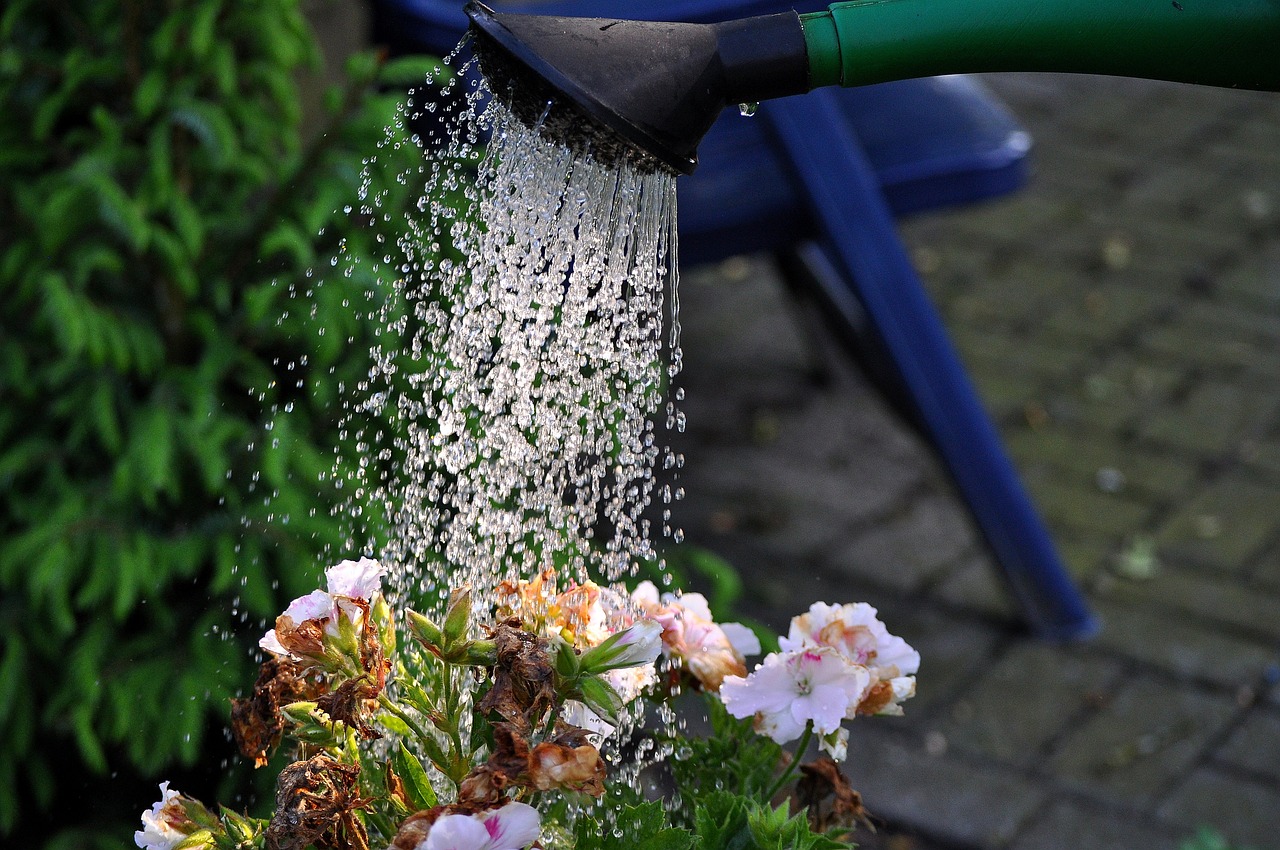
<point>356,579</point>
<point>457,832</point>
<point>743,640</point>
<point>512,827</point>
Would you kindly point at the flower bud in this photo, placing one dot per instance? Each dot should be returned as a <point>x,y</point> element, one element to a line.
<point>457,616</point>
<point>300,712</point>
<point>637,645</point>
<point>424,630</point>
<point>480,653</point>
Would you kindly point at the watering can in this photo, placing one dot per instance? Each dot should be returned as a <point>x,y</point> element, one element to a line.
<point>658,87</point>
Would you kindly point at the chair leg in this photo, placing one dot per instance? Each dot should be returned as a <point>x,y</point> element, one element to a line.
<point>861,240</point>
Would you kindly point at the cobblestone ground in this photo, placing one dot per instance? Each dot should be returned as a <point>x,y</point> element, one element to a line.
<point>1121,318</point>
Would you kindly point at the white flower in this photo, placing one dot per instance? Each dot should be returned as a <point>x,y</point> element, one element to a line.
<point>356,579</point>
<point>836,744</point>
<point>790,689</point>
<point>351,585</point>
<point>856,632</point>
<point>166,825</point>
<point>512,827</point>
<point>708,650</point>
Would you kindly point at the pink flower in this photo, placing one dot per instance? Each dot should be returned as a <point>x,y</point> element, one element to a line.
<point>708,650</point>
<point>792,689</point>
<point>512,827</point>
<point>351,585</point>
<point>856,632</point>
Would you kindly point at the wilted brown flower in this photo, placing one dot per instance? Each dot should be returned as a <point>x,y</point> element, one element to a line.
<point>523,687</point>
<point>304,639</point>
<point>316,801</point>
<point>567,762</point>
<point>821,781</point>
<point>351,702</point>
<point>487,783</point>
<point>255,721</point>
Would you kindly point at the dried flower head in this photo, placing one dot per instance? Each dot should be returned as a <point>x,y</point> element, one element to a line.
<point>316,801</point>
<point>256,722</point>
<point>523,680</point>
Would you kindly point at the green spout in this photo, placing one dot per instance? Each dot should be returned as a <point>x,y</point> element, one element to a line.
<point>1233,43</point>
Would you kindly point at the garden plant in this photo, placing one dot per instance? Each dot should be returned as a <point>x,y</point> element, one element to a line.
<point>163,207</point>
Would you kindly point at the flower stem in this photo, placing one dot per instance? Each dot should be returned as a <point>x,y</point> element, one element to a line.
<point>786,775</point>
<point>396,710</point>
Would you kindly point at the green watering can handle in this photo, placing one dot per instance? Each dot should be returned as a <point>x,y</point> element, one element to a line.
<point>1233,43</point>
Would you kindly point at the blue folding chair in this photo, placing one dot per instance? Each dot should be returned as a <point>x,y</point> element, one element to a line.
<point>817,179</point>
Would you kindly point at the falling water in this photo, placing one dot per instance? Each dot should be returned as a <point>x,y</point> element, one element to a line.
<point>526,361</point>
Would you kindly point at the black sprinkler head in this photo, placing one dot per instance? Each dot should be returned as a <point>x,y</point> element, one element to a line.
<point>609,85</point>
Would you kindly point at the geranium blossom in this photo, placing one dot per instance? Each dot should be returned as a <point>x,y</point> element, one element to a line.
<point>708,650</point>
<point>351,584</point>
<point>512,827</point>
<point>166,825</point>
<point>791,689</point>
<point>856,632</point>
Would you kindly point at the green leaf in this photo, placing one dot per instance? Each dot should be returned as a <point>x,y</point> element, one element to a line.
<point>149,92</point>
<point>645,827</point>
<point>416,783</point>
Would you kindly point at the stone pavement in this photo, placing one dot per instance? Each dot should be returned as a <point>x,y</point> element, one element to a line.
<point>1121,317</point>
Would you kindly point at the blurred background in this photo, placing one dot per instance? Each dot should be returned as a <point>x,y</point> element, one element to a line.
<point>166,171</point>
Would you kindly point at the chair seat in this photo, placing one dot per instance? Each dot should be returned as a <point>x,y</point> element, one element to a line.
<point>932,142</point>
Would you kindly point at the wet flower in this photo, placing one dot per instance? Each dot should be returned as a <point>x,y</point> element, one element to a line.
<point>300,631</point>
<point>255,720</point>
<point>167,824</point>
<point>512,827</point>
<point>584,615</point>
<point>523,681</point>
<point>316,801</point>
<point>708,650</point>
<point>789,690</point>
<point>856,632</point>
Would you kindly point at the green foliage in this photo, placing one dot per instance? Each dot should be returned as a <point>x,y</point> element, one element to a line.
<point>1207,838</point>
<point>731,758</point>
<point>643,826</point>
<point>158,345</point>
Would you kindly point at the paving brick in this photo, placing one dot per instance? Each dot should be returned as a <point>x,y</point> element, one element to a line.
<point>1182,647</point>
<point>953,651</point>
<point>1246,812</point>
<point>1255,744</point>
<point>1120,391</point>
<point>938,795</point>
<point>906,550</point>
<point>1085,509</point>
<point>1149,731</point>
<point>1213,418</point>
<point>975,585</point>
<point>1209,599</point>
<point>1069,825</point>
<point>1024,700</point>
<point>1084,455</point>
<point>1256,279</point>
<point>1224,526</point>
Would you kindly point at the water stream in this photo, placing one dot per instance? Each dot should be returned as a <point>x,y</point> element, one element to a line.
<point>534,339</point>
